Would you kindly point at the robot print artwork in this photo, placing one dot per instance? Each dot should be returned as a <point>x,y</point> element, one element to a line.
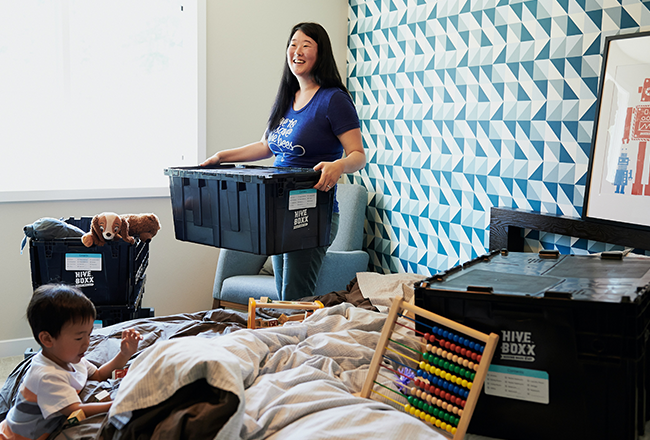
<point>636,129</point>
<point>619,174</point>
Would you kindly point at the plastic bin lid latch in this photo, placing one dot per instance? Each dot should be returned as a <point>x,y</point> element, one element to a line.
<point>480,289</point>
<point>558,295</point>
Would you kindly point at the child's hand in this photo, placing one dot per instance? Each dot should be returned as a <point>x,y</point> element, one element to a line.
<point>130,339</point>
<point>128,346</point>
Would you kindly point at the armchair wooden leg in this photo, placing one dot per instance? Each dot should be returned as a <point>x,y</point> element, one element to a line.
<point>216,303</point>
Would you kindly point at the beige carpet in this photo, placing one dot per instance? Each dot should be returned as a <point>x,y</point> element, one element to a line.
<point>7,365</point>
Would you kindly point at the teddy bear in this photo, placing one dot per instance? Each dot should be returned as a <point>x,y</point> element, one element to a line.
<point>145,226</point>
<point>110,226</point>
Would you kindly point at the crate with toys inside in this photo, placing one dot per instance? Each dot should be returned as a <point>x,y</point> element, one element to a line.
<point>105,256</point>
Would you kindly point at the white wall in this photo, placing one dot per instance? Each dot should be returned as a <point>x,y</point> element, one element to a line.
<point>246,41</point>
<point>245,52</point>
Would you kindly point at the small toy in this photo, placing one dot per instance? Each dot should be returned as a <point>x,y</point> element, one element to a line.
<point>119,374</point>
<point>109,226</point>
<point>103,396</point>
<point>48,228</point>
<point>76,417</point>
<point>103,227</point>
<point>281,320</point>
<point>265,302</point>
<point>265,323</point>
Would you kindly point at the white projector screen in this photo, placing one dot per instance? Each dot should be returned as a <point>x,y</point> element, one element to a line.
<point>98,97</point>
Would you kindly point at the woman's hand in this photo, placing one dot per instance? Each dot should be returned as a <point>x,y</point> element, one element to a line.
<point>354,160</point>
<point>213,160</point>
<point>330,174</point>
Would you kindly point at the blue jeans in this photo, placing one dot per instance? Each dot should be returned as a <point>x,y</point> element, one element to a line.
<point>296,273</point>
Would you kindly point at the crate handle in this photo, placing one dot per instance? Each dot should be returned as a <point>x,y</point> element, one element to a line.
<point>233,204</point>
<point>304,185</point>
<point>197,203</point>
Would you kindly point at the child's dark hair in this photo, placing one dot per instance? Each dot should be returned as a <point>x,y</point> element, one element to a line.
<point>54,305</point>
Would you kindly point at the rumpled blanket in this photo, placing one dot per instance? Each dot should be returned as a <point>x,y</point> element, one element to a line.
<point>194,376</point>
<point>105,343</point>
<point>293,382</point>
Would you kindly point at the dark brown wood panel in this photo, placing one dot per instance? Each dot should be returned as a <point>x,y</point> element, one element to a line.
<point>506,226</point>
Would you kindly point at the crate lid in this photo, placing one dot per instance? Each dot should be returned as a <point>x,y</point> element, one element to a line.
<point>246,173</point>
<point>576,277</point>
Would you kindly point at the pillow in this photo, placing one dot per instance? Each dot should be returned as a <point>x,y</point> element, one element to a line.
<point>382,288</point>
<point>267,268</point>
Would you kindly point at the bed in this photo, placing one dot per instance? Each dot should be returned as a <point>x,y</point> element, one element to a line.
<point>204,375</point>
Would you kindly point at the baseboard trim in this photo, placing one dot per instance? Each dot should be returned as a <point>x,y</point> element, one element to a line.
<point>17,347</point>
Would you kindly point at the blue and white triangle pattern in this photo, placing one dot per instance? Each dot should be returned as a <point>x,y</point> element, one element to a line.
<point>469,104</point>
<point>534,241</point>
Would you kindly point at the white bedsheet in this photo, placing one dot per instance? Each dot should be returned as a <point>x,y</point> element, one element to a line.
<point>293,382</point>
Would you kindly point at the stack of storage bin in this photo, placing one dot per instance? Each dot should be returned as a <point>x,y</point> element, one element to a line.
<point>112,276</point>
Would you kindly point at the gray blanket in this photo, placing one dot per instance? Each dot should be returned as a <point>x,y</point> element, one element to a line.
<point>293,382</point>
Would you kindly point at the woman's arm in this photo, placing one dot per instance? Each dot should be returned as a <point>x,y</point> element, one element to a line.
<point>354,160</point>
<point>255,151</point>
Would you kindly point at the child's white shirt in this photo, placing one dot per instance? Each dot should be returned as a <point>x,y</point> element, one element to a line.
<point>54,386</point>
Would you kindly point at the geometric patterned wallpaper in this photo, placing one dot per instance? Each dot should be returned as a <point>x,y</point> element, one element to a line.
<point>469,104</point>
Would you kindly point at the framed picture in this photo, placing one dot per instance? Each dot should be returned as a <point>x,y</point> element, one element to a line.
<point>618,188</point>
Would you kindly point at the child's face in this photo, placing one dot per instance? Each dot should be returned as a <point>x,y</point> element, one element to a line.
<point>71,344</point>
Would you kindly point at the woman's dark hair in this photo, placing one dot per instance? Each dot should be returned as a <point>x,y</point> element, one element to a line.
<point>53,305</point>
<point>325,73</point>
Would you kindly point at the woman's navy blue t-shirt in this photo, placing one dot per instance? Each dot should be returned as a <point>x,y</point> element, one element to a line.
<point>309,136</point>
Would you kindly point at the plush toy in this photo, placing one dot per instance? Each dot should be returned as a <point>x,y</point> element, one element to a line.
<point>109,226</point>
<point>145,226</point>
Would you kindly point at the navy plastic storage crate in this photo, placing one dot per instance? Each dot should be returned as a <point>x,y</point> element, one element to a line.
<point>573,333</point>
<point>261,210</point>
<point>110,315</point>
<point>112,274</point>
<point>113,314</point>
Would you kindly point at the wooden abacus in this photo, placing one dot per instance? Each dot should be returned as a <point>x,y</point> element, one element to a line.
<point>447,378</point>
<point>265,302</point>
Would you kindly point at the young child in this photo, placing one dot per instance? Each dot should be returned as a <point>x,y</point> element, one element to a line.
<point>61,318</point>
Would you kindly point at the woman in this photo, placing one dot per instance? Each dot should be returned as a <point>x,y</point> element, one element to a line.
<point>312,122</point>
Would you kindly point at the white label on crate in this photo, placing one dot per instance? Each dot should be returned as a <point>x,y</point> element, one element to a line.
<point>75,262</point>
<point>302,199</point>
<point>517,383</point>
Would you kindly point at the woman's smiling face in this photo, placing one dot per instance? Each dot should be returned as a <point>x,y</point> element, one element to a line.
<point>302,54</point>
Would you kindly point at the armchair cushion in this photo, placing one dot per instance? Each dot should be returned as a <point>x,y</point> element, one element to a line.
<point>239,288</point>
<point>234,263</point>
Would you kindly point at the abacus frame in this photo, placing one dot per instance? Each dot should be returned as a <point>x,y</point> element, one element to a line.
<point>490,341</point>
